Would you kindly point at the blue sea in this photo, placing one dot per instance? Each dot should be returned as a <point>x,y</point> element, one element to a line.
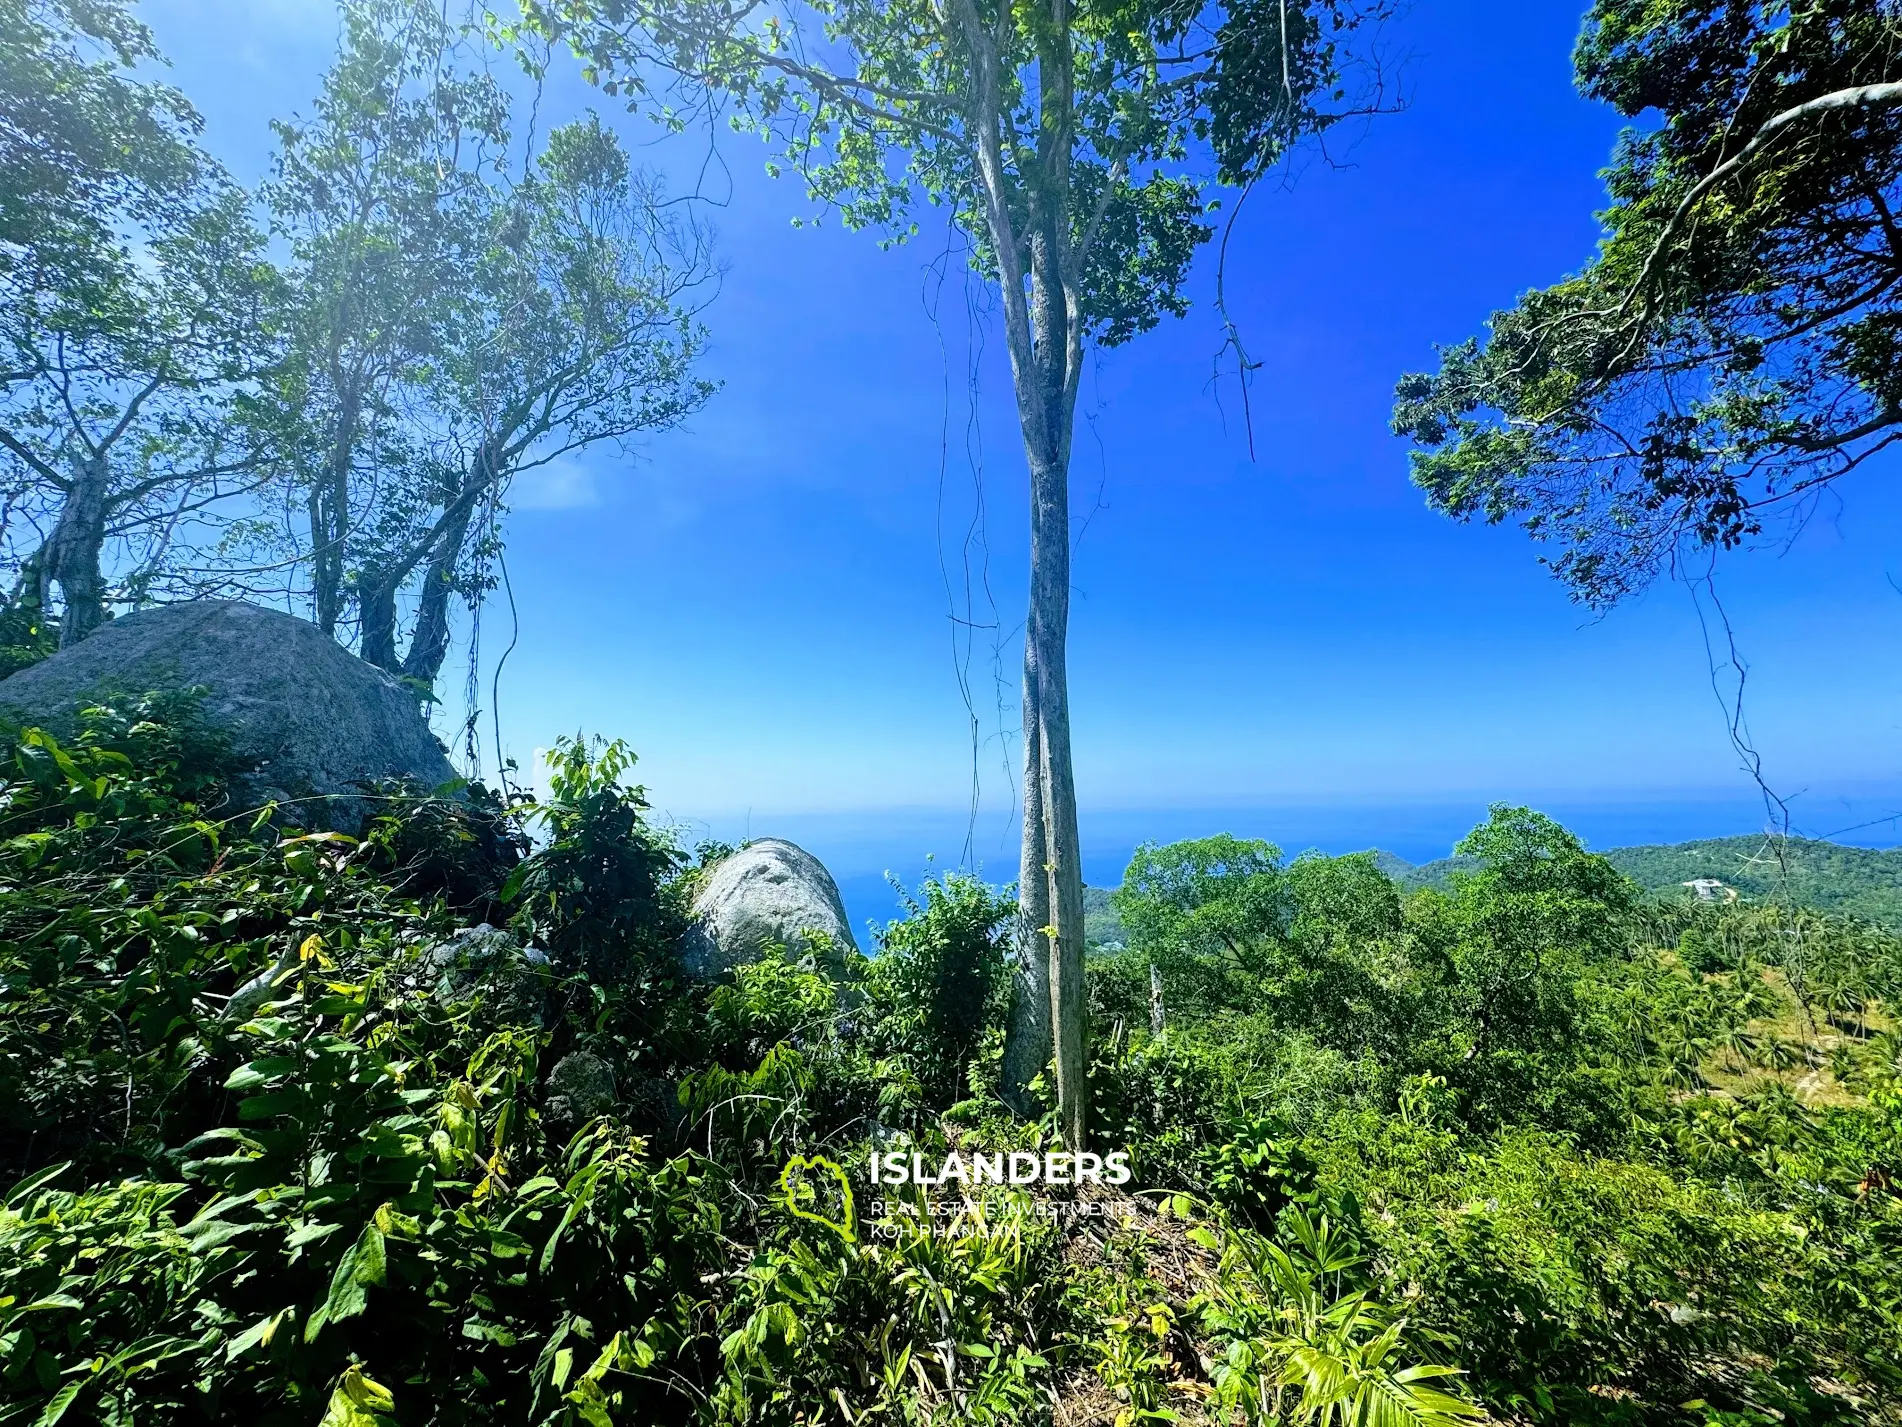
<point>867,851</point>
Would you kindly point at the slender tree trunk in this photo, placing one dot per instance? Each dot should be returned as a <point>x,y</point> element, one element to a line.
<point>1063,865</point>
<point>71,555</point>
<point>1158,1017</point>
<point>1050,887</point>
<point>1044,333</point>
<point>329,508</point>
<point>327,540</point>
<point>429,645</point>
<point>1027,1041</point>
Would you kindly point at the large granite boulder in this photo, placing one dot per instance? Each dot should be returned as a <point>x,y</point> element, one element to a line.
<point>770,892</point>
<point>311,718</point>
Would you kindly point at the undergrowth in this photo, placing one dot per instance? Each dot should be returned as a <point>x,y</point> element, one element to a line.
<point>283,1143</point>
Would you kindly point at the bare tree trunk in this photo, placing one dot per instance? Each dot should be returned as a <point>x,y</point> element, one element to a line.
<point>429,645</point>
<point>1027,1041</point>
<point>1044,333</point>
<point>328,537</point>
<point>1063,865</point>
<point>376,606</point>
<point>329,507</point>
<point>71,554</point>
<point>1158,1018</point>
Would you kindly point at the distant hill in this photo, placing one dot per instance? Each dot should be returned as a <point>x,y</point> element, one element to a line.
<point>1865,881</point>
<point>1101,926</point>
<point>1862,881</point>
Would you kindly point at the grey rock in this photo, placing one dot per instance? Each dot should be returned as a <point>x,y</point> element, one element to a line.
<point>483,953</point>
<point>453,964</point>
<point>311,716</point>
<point>769,893</point>
<point>652,1104</point>
<point>580,1087</point>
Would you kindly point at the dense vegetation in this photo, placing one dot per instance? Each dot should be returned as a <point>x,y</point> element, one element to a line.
<point>1864,882</point>
<point>1613,1162</point>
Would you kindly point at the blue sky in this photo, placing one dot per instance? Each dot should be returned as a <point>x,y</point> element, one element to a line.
<point>1290,647</point>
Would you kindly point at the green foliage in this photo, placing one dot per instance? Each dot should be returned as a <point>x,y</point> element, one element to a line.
<point>137,312</point>
<point>1301,1318</point>
<point>939,980</point>
<point>1155,104</point>
<point>1826,876</point>
<point>465,309</point>
<point>79,135</point>
<point>1807,872</point>
<point>905,1325</point>
<point>595,893</point>
<point>1504,1129</point>
<point>1734,342</point>
<point>27,634</point>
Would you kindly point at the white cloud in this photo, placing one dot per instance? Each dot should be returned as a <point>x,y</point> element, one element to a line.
<point>560,485</point>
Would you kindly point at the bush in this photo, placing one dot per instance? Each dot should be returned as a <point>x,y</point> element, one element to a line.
<point>938,981</point>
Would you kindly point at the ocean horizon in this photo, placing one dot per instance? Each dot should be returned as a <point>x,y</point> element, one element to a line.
<point>867,850</point>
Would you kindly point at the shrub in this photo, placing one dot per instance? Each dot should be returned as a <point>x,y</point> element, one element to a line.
<point>938,981</point>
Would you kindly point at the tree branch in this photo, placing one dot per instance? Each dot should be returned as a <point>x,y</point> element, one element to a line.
<point>46,472</point>
<point>1860,97</point>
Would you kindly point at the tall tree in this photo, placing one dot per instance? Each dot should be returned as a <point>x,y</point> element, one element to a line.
<point>1074,143</point>
<point>133,310</point>
<point>1735,346</point>
<point>126,371</point>
<point>464,311</point>
<point>383,194</point>
<point>575,328</point>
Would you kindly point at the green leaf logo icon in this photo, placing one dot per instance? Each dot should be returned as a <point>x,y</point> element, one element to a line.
<point>801,1181</point>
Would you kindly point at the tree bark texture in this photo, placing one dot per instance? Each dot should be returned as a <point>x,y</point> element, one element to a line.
<point>71,555</point>
<point>1063,870</point>
<point>329,512</point>
<point>1039,282</point>
<point>429,645</point>
<point>1027,1040</point>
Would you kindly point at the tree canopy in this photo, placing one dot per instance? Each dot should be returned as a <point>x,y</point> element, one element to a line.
<point>1735,346</point>
<point>185,411</point>
<point>83,142</point>
<point>137,311</point>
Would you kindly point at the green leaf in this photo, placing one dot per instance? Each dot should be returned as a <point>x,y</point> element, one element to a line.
<point>261,1331</point>
<point>360,1267</point>
<point>358,1401</point>
<point>24,1190</point>
<point>62,1400</point>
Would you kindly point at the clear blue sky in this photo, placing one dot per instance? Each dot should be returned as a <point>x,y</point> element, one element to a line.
<point>1292,647</point>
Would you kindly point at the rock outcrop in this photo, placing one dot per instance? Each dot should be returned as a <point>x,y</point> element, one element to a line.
<point>580,1087</point>
<point>484,956</point>
<point>769,892</point>
<point>311,718</point>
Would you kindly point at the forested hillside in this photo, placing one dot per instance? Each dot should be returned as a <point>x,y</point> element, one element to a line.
<point>1861,881</point>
